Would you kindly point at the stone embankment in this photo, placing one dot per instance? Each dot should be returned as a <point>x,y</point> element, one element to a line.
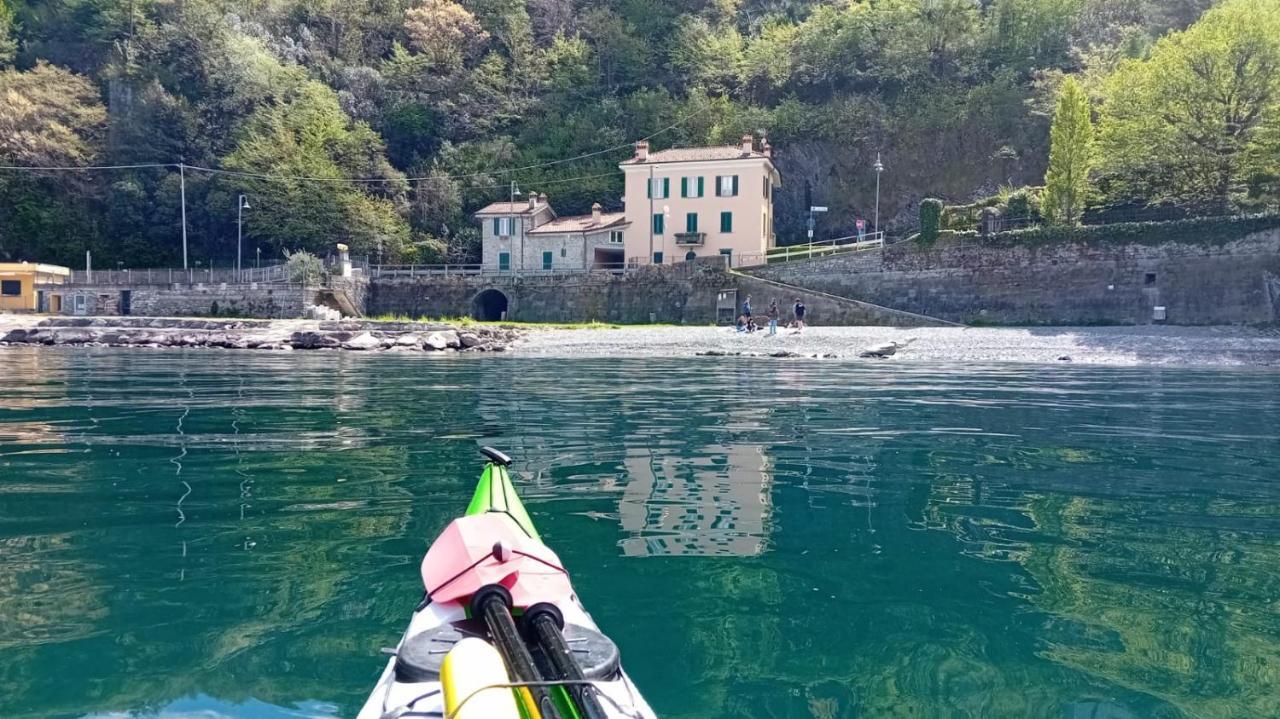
<point>355,335</point>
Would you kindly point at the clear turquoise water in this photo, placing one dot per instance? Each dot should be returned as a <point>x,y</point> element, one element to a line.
<point>212,534</point>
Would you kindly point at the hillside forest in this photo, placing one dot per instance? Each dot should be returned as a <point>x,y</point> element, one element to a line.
<point>384,123</point>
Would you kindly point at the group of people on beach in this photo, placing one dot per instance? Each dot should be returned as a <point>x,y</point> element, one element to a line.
<point>747,322</point>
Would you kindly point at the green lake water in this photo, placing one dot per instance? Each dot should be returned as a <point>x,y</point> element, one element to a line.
<point>216,534</point>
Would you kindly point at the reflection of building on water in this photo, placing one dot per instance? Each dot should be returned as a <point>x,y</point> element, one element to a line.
<point>718,504</point>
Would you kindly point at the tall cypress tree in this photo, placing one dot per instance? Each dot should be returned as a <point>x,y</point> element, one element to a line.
<point>1070,156</point>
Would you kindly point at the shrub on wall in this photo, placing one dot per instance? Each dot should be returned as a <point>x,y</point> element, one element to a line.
<point>1204,231</point>
<point>930,221</point>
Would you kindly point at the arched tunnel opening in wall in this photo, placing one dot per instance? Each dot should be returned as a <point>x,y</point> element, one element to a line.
<point>489,306</point>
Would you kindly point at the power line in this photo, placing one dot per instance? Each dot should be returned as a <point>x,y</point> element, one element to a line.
<point>365,180</point>
<point>83,168</point>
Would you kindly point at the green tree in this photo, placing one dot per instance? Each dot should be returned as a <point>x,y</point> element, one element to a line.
<point>49,116</point>
<point>308,136</point>
<point>1066,184</point>
<point>1183,125</point>
<point>8,46</point>
<point>444,31</point>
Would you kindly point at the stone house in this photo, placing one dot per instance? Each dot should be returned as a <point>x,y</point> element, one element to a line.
<point>529,237</point>
<point>691,202</point>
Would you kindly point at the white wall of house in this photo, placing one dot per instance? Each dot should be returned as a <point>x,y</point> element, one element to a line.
<point>749,229</point>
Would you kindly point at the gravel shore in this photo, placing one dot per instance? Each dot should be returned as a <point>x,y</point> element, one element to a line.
<point>1059,345</point>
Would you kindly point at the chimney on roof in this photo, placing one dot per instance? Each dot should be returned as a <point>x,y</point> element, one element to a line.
<point>596,211</point>
<point>533,200</point>
<point>542,198</point>
<point>642,151</point>
<point>748,144</point>
<point>767,150</point>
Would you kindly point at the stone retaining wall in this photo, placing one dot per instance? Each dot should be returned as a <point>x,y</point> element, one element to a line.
<point>277,301</point>
<point>1060,284</point>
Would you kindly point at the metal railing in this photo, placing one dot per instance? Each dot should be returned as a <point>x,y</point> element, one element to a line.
<point>853,243</point>
<point>175,275</point>
<point>390,271</point>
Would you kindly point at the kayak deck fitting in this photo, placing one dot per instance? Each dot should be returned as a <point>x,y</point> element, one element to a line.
<point>500,633</point>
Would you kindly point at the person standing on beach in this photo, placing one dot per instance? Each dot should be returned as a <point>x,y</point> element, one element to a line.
<point>773,318</point>
<point>746,307</point>
<point>799,310</point>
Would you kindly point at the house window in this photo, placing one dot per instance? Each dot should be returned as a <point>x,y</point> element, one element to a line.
<point>564,252</point>
<point>727,186</point>
<point>616,237</point>
<point>504,226</point>
<point>659,223</point>
<point>11,288</point>
<point>657,258</point>
<point>1150,279</point>
<point>690,256</point>
<point>504,260</point>
<point>691,186</point>
<point>660,188</point>
<point>691,222</point>
<point>726,222</point>
<point>546,260</point>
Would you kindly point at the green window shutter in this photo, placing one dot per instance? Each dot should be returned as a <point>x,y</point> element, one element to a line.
<point>726,222</point>
<point>684,187</point>
<point>658,223</point>
<point>666,187</point>
<point>657,258</point>
<point>691,222</point>
<point>700,186</point>
<point>735,185</point>
<point>717,187</point>
<point>546,260</point>
<point>504,260</point>
<point>497,227</point>
<point>648,187</point>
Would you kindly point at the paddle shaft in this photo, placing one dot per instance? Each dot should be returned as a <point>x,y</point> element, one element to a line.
<point>547,634</point>
<point>502,629</point>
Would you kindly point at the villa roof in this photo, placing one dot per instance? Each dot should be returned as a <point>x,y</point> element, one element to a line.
<point>696,154</point>
<point>581,224</point>
<point>512,208</point>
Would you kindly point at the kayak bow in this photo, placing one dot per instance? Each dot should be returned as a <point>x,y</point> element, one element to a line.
<point>493,590</point>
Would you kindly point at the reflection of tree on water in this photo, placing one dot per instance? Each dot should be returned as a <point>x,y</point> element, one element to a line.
<point>1176,602</point>
<point>107,624</point>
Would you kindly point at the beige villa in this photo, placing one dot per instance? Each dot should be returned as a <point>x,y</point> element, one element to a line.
<point>692,202</point>
<point>679,204</point>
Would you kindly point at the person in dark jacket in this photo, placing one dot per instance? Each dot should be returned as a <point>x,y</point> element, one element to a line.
<point>773,318</point>
<point>746,307</point>
<point>799,310</point>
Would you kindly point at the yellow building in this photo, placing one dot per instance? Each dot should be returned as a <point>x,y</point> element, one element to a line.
<point>18,282</point>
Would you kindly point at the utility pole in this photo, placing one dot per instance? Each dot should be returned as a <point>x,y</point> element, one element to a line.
<point>182,182</point>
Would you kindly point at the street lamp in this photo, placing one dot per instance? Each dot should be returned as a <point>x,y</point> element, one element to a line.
<point>511,206</point>
<point>257,264</point>
<point>879,168</point>
<point>241,206</point>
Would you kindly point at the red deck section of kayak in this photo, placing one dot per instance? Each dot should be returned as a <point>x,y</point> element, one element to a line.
<point>462,560</point>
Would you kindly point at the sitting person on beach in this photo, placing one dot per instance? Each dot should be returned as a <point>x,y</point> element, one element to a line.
<point>742,323</point>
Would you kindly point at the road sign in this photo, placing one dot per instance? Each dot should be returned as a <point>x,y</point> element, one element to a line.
<point>817,209</point>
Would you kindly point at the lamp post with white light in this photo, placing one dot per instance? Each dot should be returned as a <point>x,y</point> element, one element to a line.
<point>879,168</point>
<point>241,206</point>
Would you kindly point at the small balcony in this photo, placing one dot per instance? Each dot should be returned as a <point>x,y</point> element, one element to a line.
<point>685,239</point>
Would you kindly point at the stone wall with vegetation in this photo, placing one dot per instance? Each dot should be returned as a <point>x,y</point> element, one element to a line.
<point>1117,279</point>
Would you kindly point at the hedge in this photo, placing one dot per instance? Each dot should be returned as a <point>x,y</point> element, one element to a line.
<point>930,221</point>
<point>1202,230</point>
